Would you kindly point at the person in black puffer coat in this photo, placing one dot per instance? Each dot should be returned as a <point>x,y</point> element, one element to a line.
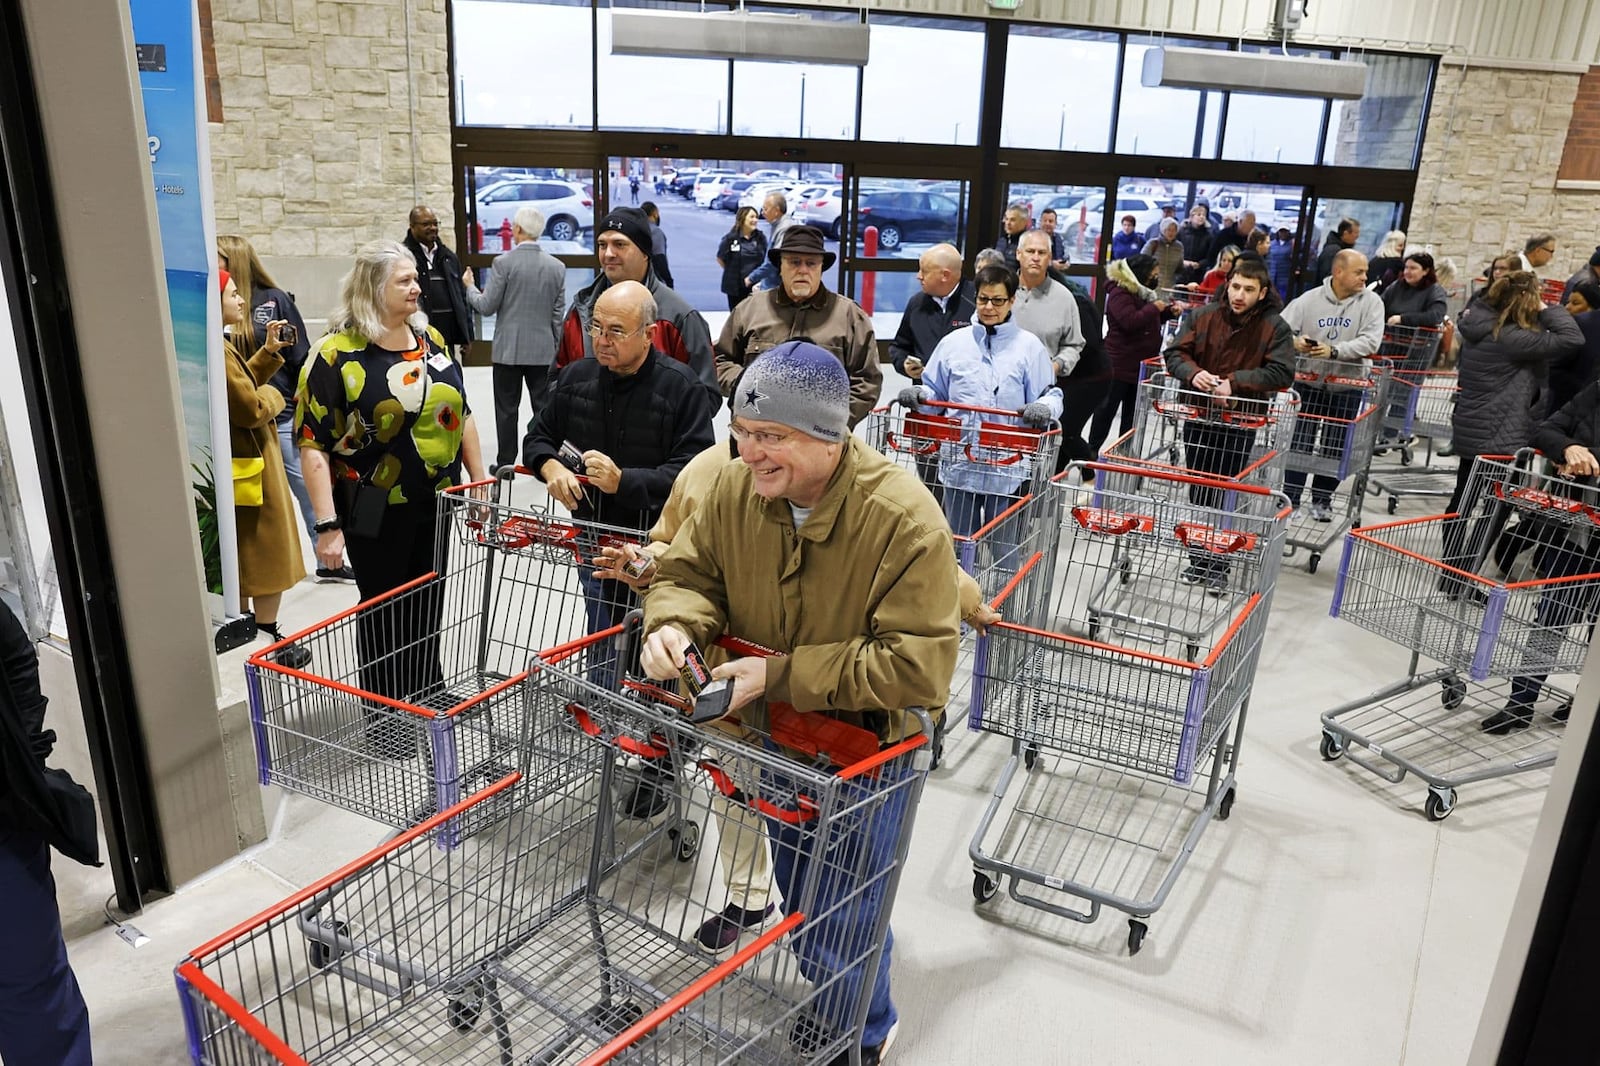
<point>1508,338</point>
<point>1569,439</point>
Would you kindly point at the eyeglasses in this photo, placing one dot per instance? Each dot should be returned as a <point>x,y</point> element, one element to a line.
<point>615,333</point>
<point>994,301</point>
<point>758,436</point>
<point>1548,248</point>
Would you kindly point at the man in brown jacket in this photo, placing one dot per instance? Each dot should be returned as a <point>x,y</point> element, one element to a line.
<point>819,547</point>
<point>801,307</point>
<point>1237,346</point>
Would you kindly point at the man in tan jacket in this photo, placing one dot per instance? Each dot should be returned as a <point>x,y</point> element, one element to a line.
<point>826,551</point>
<point>802,308</point>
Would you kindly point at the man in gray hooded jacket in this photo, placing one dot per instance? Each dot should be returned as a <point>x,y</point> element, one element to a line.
<point>1340,321</point>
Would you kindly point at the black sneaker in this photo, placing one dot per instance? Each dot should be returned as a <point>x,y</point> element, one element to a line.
<point>1195,574</point>
<point>326,574</point>
<point>294,656</point>
<point>871,1056</point>
<point>1509,719</point>
<point>809,1033</point>
<point>1216,582</point>
<point>721,932</point>
<point>647,800</point>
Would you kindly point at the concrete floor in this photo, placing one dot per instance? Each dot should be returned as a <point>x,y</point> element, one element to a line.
<point>1327,922</point>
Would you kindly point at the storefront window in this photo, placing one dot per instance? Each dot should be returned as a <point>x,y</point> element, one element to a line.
<point>945,107</point>
<point>662,93</point>
<point>1060,89</point>
<point>497,85</point>
<point>1155,121</point>
<point>1384,127</point>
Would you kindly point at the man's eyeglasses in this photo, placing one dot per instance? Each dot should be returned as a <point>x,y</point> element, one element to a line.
<point>615,333</point>
<point>994,301</point>
<point>758,436</point>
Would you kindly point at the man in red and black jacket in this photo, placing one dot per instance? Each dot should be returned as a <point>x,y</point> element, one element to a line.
<point>623,244</point>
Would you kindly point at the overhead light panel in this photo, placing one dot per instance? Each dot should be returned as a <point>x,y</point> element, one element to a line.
<point>1267,73</point>
<point>738,35</point>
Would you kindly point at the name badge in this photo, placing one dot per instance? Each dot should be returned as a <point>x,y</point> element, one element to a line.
<point>439,361</point>
<point>734,247</point>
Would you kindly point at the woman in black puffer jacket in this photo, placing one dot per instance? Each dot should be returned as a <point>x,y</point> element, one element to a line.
<point>1508,339</point>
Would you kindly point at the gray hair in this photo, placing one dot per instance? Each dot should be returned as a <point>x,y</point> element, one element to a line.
<point>989,257</point>
<point>530,220</point>
<point>1169,223</point>
<point>360,307</point>
<point>1041,234</point>
<point>778,199</point>
<point>1538,240</point>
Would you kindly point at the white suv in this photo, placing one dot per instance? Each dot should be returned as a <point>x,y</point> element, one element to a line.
<point>708,185</point>
<point>821,209</point>
<point>568,210</point>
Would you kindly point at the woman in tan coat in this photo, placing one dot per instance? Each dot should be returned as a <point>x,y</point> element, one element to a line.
<point>268,541</point>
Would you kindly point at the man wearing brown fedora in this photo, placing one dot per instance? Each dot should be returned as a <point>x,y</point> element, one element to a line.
<point>803,307</point>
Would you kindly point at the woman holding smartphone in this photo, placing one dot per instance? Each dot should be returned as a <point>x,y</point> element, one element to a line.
<point>268,544</point>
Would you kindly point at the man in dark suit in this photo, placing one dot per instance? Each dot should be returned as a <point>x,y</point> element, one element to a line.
<point>527,294</point>
<point>444,300</point>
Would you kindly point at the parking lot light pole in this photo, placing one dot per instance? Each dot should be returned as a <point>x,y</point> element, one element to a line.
<point>802,103</point>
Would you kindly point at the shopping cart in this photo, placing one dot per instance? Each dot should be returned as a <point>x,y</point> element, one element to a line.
<point>411,699</point>
<point>1135,711</point>
<point>1421,406</point>
<point>954,434</point>
<point>1416,584</point>
<point>1243,438</point>
<point>1341,407</point>
<point>1551,290</point>
<point>537,941</point>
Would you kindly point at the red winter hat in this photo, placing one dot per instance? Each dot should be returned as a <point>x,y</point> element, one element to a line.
<point>222,281</point>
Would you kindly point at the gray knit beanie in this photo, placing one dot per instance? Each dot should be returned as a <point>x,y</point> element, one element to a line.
<point>797,384</point>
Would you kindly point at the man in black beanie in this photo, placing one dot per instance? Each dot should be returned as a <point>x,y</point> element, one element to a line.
<point>622,243</point>
<point>1589,272</point>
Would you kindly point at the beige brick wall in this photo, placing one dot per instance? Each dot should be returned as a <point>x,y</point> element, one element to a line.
<point>1488,174</point>
<point>336,120</point>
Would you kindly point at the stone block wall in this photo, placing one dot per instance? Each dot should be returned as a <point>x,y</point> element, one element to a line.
<point>336,121</point>
<point>1490,158</point>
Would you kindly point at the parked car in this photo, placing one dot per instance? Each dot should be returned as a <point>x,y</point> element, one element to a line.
<point>756,193</point>
<point>568,209</point>
<point>821,207</point>
<point>709,185</point>
<point>682,182</point>
<point>769,175</point>
<point>1146,210</point>
<point>903,215</point>
<point>733,193</point>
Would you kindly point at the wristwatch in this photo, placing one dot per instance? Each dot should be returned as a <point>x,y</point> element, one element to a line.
<point>327,525</point>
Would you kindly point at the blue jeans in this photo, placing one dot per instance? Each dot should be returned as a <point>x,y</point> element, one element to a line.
<point>605,604</point>
<point>842,919</point>
<point>1324,414</point>
<point>1559,607</point>
<point>968,512</point>
<point>42,1014</point>
<point>297,481</point>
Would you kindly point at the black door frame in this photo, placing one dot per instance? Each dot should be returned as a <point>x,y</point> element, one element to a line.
<point>47,349</point>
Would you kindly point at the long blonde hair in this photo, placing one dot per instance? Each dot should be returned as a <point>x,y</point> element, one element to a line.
<point>360,307</point>
<point>1516,296</point>
<point>248,275</point>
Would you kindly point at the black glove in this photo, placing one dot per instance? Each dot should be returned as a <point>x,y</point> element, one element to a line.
<point>1037,415</point>
<point>910,397</point>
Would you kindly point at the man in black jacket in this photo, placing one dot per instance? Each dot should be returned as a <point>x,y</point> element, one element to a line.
<point>633,417</point>
<point>444,297</point>
<point>42,1014</point>
<point>945,303</point>
<point>1345,235</point>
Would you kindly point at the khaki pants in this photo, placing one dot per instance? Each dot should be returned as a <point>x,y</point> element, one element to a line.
<point>742,832</point>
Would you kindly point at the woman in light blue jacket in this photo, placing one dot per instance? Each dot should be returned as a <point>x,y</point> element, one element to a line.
<point>993,363</point>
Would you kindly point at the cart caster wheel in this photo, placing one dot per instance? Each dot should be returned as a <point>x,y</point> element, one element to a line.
<point>1092,628</point>
<point>1030,755</point>
<point>322,955</point>
<point>1330,748</point>
<point>1127,571</point>
<point>1136,932</point>
<point>686,841</point>
<point>1225,807</point>
<point>464,1013</point>
<point>983,886</point>
<point>1192,652</point>
<point>1394,504</point>
<point>1405,456</point>
<point>1455,691</point>
<point>1311,563</point>
<point>1439,805</point>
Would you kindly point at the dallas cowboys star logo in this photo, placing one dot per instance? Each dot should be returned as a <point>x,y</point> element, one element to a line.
<point>753,399</point>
